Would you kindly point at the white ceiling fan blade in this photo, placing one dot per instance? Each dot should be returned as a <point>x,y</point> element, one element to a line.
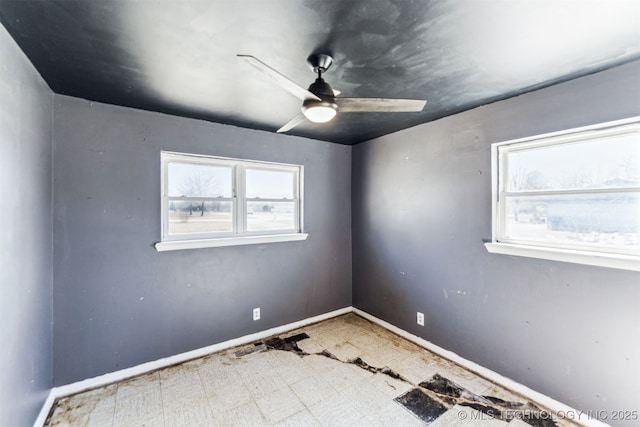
<point>293,123</point>
<point>382,105</point>
<point>280,79</point>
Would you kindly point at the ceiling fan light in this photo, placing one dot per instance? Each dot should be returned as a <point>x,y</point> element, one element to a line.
<point>320,112</point>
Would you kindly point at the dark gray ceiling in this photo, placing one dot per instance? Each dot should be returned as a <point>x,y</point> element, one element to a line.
<point>178,57</point>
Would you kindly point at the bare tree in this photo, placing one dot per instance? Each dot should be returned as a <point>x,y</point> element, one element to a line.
<point>198,184</point>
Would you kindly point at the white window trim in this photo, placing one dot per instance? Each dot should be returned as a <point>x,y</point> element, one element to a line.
<point>586,257</point>
<point>619,261</point>
<point>234,238</point>
<point>174,245</point>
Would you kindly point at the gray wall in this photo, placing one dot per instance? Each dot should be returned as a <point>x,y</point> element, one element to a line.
<point>421,211</point>
<point>26,111</point>
<point>118,302</point>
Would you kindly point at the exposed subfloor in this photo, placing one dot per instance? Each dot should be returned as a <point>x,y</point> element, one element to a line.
<point>345,371</point>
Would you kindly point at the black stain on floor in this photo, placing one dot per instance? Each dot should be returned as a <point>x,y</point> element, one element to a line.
<point>386,371</point>
<point>452,394</point>
<point>287,344</point>
<point>422,405</point>
<point>276,343</point>
<point>291,344</point>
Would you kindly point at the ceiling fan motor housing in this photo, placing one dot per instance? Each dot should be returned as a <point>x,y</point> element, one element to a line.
<point>327,102</point>
<point>321,89</point>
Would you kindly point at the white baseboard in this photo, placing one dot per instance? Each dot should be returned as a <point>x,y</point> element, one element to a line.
<point>102,380</point>
<point>46,408</point>
<point>532,395</point>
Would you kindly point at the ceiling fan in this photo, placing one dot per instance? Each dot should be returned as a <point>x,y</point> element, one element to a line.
<point>320,103</point>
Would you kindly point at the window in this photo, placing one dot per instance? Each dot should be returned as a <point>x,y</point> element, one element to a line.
<point>570,196</point>
<point>211,201</point>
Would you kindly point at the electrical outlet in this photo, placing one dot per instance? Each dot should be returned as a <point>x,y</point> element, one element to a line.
<point>256,313</point>
<point>420,319</point>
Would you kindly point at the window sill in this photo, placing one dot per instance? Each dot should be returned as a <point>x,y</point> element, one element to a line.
<point>228,241</point>
<point>623,262</point>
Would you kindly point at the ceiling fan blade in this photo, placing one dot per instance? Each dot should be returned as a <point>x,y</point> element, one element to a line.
<point>293,123</point>
<point>280,79</point>
<point>382,105</point>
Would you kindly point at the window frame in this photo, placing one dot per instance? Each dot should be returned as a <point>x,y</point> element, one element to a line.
<point>549,250</point>
<point>296,200</point>
<point>239,235</point>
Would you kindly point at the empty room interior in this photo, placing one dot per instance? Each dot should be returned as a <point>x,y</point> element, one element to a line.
<point>436,202</point>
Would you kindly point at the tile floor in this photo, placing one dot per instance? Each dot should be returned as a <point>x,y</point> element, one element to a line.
<point>345,371</point>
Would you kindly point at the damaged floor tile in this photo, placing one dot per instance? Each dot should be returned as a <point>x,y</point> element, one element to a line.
<point>422,405</point>
<point>345,371</point>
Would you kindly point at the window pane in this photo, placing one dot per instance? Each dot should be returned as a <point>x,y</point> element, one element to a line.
<point>610,162</point>
<point>603,220</point>
<point>192,180</point>
<point>190,216</point>
<point>267,184</point>
<point>270,216</point>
